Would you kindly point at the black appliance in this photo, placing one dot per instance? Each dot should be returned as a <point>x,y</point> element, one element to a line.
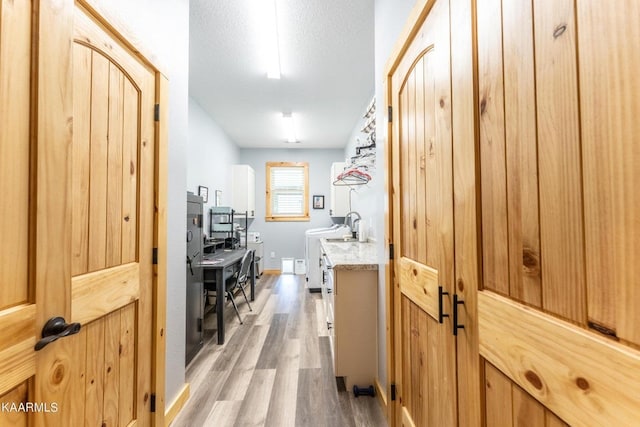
<point>195,290</point>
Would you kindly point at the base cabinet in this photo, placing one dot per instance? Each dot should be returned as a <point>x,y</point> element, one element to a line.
<point>351,304</point>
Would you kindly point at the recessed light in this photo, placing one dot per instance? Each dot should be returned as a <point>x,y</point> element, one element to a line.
<point>269,19</point>
<point>289,127</point>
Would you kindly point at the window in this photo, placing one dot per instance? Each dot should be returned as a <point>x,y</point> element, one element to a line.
<point>287,191</point>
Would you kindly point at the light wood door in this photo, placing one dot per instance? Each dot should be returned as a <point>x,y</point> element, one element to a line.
<point>425,355</point>
<point>77,218</point>
<point>559,328</point>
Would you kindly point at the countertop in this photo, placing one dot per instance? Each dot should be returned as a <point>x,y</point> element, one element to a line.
<point>350,255</point>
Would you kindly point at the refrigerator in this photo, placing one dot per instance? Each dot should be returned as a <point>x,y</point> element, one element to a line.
<point>195,291</point>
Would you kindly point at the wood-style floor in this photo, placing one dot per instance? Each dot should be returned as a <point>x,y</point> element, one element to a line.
<point>275,369</point>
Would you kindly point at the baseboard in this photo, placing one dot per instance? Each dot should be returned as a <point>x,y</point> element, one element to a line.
<point>176,406</point>
<point>382,396</point>
<point>275,272</point>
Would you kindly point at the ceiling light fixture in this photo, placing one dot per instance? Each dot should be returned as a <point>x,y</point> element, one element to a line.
<point>270,29</point>
<point>289,127</point>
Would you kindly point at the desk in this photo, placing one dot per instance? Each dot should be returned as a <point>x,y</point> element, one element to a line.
<point>221,265</point>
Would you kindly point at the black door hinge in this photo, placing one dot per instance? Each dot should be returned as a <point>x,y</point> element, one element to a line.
<point>393,392</point>
<point>152,403</point>
<point>156,112</point>
<point>199,324</point>
<point>154,256</point>
<point>390,250</point>
<point>390,112</point>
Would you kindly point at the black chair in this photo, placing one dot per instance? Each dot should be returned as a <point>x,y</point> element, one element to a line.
<point>239,280</point>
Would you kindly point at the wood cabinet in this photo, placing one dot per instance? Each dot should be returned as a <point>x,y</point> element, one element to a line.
<point>339,195</point>
<point>514,157</point>
<point>243,189</point>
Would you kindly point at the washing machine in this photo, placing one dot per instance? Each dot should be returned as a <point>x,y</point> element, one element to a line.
<point>306,241</point>
<point>312,252</point>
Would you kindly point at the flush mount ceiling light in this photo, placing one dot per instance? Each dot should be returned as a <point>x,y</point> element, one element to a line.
<point>269,19</point>
<point>289,127</point>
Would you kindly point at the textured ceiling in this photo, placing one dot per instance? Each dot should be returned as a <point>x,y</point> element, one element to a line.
<point>327,63</point>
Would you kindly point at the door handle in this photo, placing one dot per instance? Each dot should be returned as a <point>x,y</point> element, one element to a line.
<point>190,264</point>
<point>441,314</point>
<point>456,303</point>
<point>55,328</point>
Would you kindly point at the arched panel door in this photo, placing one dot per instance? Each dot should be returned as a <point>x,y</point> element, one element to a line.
<point>77,218</point>
<point>423,228</point>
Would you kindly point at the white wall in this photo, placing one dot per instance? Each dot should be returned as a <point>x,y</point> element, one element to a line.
<point>367,199</point>
<point>287,239</point>
<point>147,22</point>
<point>390,18</point>
<point>211,154</point>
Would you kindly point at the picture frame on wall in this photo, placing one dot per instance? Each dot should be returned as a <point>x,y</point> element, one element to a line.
<point>318,202</point>
<point>204,193</point>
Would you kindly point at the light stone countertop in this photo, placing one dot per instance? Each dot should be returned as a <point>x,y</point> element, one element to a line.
<point>351,255</point>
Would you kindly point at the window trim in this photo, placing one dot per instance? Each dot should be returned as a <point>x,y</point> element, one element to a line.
<point>287,218</point>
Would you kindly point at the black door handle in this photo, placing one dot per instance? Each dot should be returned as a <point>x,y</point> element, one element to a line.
<point>441,314</point>
<point>190,264</point>
<point>456,303</point>
<point>55,328</point>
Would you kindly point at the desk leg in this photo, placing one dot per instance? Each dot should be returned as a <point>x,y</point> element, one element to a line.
<point>220,297</point>
<point>253,280</point>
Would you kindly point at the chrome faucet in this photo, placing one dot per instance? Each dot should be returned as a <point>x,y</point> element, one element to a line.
<point>353,221</point>
<point>355,233</point>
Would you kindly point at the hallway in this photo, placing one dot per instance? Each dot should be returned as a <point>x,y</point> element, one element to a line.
<point>275,369</point>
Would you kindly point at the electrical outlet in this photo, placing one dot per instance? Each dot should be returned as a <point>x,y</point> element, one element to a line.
<point>273,254</point>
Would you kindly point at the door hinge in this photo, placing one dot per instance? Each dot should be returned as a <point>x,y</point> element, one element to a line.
<point>199,324</point>
<point>390,112</point>
<point>390,250</point>
<point>152,403</point>
<point>154,256</point>
<point>393,392</point>
<point>156,113</point>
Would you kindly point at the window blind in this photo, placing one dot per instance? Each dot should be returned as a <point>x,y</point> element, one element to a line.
<point>287,190</point>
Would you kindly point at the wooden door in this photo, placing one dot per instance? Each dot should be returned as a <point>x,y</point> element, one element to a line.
<point>425,368</point>
<point>559,327</point>
<point>77,218</point>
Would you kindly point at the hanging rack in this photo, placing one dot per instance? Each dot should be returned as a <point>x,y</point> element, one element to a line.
<point>353,176</point>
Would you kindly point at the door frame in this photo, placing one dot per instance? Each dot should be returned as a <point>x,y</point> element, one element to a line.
<point>466,207</point>
<point>103,13</point>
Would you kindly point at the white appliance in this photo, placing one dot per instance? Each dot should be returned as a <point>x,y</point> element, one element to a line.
<point>312,251</point>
